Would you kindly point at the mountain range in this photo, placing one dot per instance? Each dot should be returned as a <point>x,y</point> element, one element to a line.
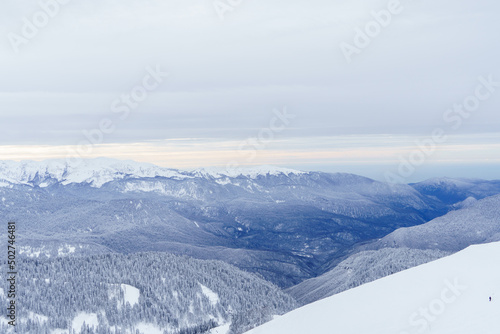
<point>313,234</point>
<point>285,225</point>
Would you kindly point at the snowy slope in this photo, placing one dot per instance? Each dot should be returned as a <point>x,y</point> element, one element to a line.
<point>361,268</point>
<point>477,223</point>
<point>447,296</point>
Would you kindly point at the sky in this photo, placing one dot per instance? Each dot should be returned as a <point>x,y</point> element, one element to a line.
<point>395,90</point>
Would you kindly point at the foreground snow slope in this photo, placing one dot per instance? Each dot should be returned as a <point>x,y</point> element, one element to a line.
<point>447,296</point>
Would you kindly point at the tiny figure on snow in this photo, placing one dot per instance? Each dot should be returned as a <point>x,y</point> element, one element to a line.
<point>490,299</point>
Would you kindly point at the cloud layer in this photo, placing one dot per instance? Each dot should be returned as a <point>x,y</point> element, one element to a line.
<point>226,76</point>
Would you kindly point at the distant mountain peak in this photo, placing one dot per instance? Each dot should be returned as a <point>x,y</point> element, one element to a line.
<point>448,181</point>
<point>100,171</point>
<point>95,172</point>
<point>251,172</point>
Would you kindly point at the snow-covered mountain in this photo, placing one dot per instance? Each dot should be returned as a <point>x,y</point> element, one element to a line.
<point>331,232</point>
<point>455,190</point>
<point>359,269</point>
<point>99,171</point>
<point>476,223</point>
<point>286,225</point>
<point>251,172</point>
<point>447,296</point>
<point>94,172</point>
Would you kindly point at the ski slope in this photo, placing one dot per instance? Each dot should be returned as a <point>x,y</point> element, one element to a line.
<point>447,296</point>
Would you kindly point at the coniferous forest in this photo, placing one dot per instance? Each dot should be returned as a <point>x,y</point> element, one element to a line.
<point>116,293</point>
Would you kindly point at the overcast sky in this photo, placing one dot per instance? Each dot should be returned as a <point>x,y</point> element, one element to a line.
<point>229,78</point>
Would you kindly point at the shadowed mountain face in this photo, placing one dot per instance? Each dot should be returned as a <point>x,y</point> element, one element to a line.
<point>286,225</point>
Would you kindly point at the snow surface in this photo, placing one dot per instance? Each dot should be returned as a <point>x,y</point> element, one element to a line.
<point>37,317</point>
<point>477,223</point>
<point>62,250</point>
<point>65,250</point>
<point>145,328</point>
<point>447,296</point>
<point>224,329</point>
<point>90,319</point>
<point>131,294</point>
<point>30,252</point>
<point>212,296</point>
<point>59,331</point>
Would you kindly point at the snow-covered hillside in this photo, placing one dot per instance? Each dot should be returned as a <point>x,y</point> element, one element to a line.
<point>361,268</point>
<point>447,296</point>
<point>477,223</point>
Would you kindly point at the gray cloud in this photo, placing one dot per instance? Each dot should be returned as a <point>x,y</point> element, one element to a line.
<point>227,76</point>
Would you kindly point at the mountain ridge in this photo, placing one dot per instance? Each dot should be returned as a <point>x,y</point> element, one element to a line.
<point>286,225</point>
<point>100,171</point>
